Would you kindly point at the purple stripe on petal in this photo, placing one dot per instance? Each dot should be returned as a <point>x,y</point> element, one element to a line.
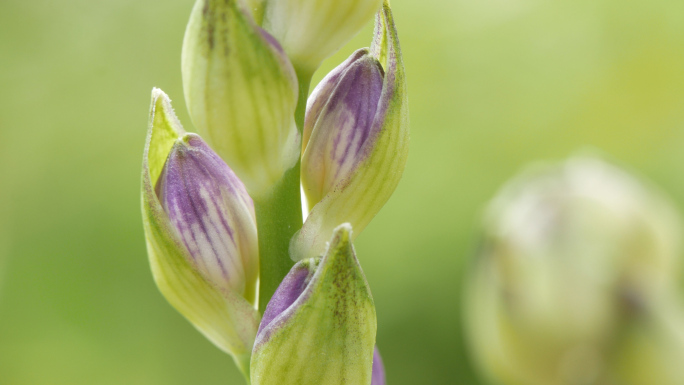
<point>378,377</point>
<point>212,213</point>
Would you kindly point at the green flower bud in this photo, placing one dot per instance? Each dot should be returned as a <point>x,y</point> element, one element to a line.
<point>201,234</point>
<point>312,30</point>
<point>572,255</point>
<point>319,327</point>
<point>241,91</point>
<point>356,140</point>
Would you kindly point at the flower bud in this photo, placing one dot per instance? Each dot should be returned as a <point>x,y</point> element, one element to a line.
<point>212,214</point>
<point>571,256</point>
<point>340,117</point>
<point>312,30</point>
<point>355,140</point>
<point>241,91</point>
<point>200,231</point>
<point>319,326</point>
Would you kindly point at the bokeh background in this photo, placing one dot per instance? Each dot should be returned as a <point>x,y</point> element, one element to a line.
<point>494,85</point>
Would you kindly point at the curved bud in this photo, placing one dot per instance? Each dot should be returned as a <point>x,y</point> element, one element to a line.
<point>356,143</point>
<point>378,369</point>
<point>572,255</point>
<point>312,30</point>
<point>241,91</point>
<point>320,324</point>
<point>201,274</point>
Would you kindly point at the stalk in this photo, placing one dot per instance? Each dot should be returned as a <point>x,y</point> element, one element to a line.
<point>279,215</point>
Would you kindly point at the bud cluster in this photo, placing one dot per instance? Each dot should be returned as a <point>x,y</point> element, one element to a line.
<point>214,206</point>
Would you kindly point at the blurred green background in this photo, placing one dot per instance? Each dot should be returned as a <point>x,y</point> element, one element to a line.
<point>494,84</point>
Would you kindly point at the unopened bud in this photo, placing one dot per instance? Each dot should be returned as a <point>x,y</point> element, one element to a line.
<point>312,30</point>
<point>356,140</point>
<point>213,215</point>
<point>200,232</point>
<point>320,325</point>
<point>241,91</point>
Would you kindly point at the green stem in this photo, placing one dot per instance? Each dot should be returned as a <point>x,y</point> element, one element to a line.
<point>279,216</point>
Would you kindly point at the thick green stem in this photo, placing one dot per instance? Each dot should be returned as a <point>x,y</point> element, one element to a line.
<point>279,216</point>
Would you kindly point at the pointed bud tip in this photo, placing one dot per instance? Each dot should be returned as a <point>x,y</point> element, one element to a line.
<point>342,233</point>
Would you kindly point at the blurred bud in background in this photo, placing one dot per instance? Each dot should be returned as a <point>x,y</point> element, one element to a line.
<point>356,138</point>
<point>319,327</point>
<point>312,30</point>
<point>241,92</point>
<point>201,234</point>
<point>574,281</point>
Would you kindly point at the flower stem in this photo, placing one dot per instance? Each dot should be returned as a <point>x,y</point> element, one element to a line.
<point>279,216</point>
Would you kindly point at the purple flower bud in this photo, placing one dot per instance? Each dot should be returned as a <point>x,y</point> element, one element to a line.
<point>339,131</point>
<point>213,215</point>
<point>355,140</point>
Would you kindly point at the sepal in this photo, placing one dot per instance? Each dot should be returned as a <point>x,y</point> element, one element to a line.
<point>320,324</point>
<point>221,314</point>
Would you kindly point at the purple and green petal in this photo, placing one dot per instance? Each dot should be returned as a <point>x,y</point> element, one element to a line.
<point>222,315</point>
<point>320,325</point>
<point>357,198</point>
<point>312,30</point>
<point>212,214</point>
<point>241,91</point>
<point>342,134</point>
